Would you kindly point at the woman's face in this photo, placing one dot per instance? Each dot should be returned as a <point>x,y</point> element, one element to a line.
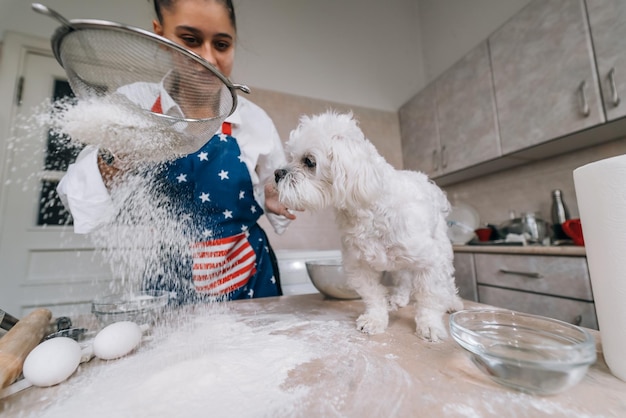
<point>202,26</point>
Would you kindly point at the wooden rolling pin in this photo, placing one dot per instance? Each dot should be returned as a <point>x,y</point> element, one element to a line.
<point>16,344</point>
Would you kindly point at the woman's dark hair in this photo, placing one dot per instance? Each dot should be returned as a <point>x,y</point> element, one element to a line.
<point>168,4</point>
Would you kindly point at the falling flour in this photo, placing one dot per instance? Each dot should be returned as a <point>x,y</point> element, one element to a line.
<point>126,129</point>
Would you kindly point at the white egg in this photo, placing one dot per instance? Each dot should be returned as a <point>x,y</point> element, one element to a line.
<point>117,340</point>
<point>52,361</point>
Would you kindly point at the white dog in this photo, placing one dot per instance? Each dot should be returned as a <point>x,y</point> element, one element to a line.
<point>390,220</point>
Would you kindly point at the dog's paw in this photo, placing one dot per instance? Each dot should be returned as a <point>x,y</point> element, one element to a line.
<point>397,301</point>
<point>369,323</point>
<point>432,332</point>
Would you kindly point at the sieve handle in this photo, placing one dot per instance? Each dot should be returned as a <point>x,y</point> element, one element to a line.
<point>45,10</point>
<point>242,87</point>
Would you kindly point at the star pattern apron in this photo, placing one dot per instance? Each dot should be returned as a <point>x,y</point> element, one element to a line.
<point>213,189</point>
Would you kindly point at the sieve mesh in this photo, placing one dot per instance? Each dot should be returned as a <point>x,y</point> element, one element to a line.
<point>131,67</point>
<point>182,98</point>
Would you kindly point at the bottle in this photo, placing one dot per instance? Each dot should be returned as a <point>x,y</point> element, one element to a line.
<point>7,321</point>
<point>559,215</point>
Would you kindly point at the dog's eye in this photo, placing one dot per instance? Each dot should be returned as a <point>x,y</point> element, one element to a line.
<point>309,162</point>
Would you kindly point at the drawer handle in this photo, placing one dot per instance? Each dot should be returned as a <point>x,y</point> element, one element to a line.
<point>530,274</point>
<point>614,96</point>
<point>578,320</point>
<point>584,106</point>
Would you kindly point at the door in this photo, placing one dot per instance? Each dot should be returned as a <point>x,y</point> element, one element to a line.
<point>546,84</point>
<point>420,133</point>
<point>466,112</point>
<point>44,264</point>
<point>607,19</point>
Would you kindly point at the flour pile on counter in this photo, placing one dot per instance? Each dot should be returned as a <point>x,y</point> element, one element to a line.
<point>221,364</point>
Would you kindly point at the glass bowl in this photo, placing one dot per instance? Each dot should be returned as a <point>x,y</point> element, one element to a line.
<point>526,352</point>
<point>327,277</point>
<point>138,307</point>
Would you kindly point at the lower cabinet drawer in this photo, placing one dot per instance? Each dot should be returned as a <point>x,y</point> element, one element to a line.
<point>558,276</point>
<point>572,311</point>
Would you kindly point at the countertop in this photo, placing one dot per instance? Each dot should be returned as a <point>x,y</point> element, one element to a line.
<point>301,356</point>
<point>565,250</point>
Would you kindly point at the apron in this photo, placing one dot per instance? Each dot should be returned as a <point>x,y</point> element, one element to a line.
<point>212,188</point>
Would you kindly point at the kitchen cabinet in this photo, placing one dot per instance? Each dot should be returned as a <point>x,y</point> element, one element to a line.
<point>465,276</point>
<point>546,85</point>
<point>607,19</point>
<point>557,287</point>
<point>420,133</point>
<point>466,112</point>
<point>452,124</point>
<point>573,311</point>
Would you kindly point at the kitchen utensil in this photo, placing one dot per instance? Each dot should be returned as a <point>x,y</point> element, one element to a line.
<point>110,60</point>
<point>462,221</point>
<point>327,276</point>
<point>139,307</point>
<point>77,334</point>
<point>18,342</point>
<point>7,321</point>
<point>573,229</point>
<point>534,228</point>
<point>526,352</point>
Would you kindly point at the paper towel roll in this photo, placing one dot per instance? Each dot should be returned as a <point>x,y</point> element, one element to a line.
<point>601,195</point>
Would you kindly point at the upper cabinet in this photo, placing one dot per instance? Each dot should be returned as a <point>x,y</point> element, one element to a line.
<point>532,90</point>
<point>466,112</point>
<point>421,150</point>
<point>607,19</point>
<point>544,74</point>
<point>451,124</point>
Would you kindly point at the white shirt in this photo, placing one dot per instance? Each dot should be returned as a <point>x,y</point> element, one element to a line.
<point>83,192</point>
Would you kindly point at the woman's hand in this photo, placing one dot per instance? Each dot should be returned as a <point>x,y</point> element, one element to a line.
<point>273,205</point>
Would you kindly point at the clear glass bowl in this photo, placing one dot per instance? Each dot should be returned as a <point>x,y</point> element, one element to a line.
<point>327,277</point>
<point>529,353</point>
<point>139,307</point>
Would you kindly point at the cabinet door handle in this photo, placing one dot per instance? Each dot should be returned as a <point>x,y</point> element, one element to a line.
<point>584,106</point>
<point>435,160</point>
<point>614,96</point>
<point>444,157</point>
<point>531,274</point>
<point>578,320</point>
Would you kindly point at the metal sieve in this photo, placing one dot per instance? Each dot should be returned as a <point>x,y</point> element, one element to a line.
<point>179,90</point>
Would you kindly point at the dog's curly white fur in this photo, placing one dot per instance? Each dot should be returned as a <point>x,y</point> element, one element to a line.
<point>390,221</point>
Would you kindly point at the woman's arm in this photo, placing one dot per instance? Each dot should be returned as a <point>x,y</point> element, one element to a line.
<point>84,193</point>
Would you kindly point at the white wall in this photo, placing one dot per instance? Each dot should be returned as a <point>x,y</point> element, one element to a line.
<point>451,28</point>
<point>361,52</point>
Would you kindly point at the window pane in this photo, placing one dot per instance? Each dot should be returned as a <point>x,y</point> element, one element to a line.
<point>59,155</point>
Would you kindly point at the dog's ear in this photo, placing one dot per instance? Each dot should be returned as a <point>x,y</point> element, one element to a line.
<point>355,167</point>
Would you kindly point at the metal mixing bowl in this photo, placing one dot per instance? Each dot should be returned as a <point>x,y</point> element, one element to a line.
<point>526,352</point>
<point>139,307</point>
<point>327,277</point>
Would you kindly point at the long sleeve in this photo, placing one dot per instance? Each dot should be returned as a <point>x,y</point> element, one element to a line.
<point>83,192</point>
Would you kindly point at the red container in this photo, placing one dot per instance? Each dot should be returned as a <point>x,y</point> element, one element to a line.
<point>574,230</point>
<point>483,234</point>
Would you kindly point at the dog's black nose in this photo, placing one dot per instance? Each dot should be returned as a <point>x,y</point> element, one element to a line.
<point>279,174</point>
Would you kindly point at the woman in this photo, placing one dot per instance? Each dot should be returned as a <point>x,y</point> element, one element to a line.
<point>232,257</point>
